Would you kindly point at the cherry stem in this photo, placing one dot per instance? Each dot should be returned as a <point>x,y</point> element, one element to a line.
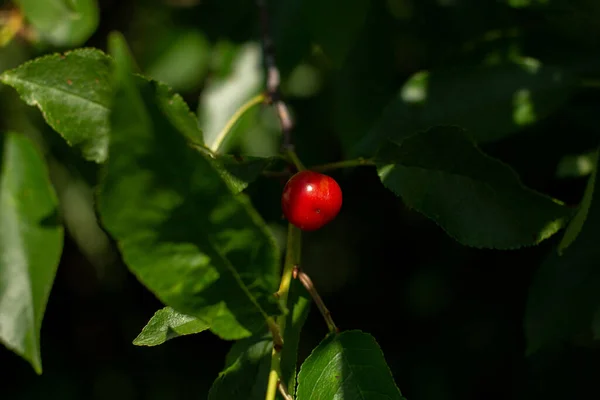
<point>310,287</point>
<point>293,158</point>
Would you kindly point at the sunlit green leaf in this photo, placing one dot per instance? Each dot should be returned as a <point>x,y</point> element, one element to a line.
<point>31,240</point>
<point>476,199</point>
<point>167,324</point>
<point>347,366</point>
<point>73,91</point>
<point>182,231</point>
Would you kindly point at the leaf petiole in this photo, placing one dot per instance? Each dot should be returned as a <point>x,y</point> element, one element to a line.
<point>260,98</point>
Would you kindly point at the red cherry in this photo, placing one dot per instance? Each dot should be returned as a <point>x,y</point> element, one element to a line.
<point>311,200</point>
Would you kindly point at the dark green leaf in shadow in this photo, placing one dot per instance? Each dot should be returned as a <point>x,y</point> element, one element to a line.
<point>246,370</point>
<point>196,245</point>
<point>298,306</point>
<point>347,366</point>
<point>63,23</point>
<point>335,27</point>
<point>563,297</point>
<point>31,240</point>
<point>167,324</point>
<point>476,199</point>
<point>578,220</point>
<point>489,101</point>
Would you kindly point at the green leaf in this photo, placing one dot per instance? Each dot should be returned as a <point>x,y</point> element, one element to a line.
<point>476,199</point>
<point>181,230</point>
<point>176,110</point>
<point>239,172</point>
<point>73,92</point>
<point>247,364</point>
<point>31,240</point>
<point>563,297</point>
<point>333,27</point>
<point>578,220</point>
<point>347,366</point>
<point>246,370</point>
<point>66,23</point>
<point>167,324</point>
<point>489,101</point>
<point>298,307</point>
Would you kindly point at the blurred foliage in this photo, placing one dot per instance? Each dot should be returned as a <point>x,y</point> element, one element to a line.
<point>450,319</point>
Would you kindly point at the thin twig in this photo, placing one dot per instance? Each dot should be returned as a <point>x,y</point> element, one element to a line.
<point>274,78</point>
<point>343,164</point>
<point>284,392</point>
<point>310,287</point>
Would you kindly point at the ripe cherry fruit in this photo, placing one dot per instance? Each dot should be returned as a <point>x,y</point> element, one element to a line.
<point>311,200</point>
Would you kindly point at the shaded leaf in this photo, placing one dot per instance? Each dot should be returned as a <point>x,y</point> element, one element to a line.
<point>65,23</point>
<point>167,324</point>
<point>495,101</point>
<point>347,366</point>
<point>563,297</point>
<point>476,199</point>
<point>298,308</point>
<point>578,220</point>
<point>201,249</point>
<point>246,370</point>
<point>333,27</point>
<point>31,240</point>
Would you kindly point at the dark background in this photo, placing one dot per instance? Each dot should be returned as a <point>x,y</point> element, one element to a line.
<point>448,318</point>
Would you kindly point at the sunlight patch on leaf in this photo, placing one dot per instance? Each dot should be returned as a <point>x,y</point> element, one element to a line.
<point>414,90</point>
<point>576,165</point>
<point>222,97</point>
<point>523,113</point>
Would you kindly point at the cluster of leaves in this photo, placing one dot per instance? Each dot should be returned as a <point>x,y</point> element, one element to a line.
<point>187,231</point>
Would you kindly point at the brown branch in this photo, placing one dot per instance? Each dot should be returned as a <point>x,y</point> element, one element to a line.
<point>274,78</point>
<point>310,287</point>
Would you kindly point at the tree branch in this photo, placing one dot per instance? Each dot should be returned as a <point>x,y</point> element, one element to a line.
<point>274,78</point>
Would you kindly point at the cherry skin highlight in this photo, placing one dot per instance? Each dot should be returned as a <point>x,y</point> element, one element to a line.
<point>311,200</point>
